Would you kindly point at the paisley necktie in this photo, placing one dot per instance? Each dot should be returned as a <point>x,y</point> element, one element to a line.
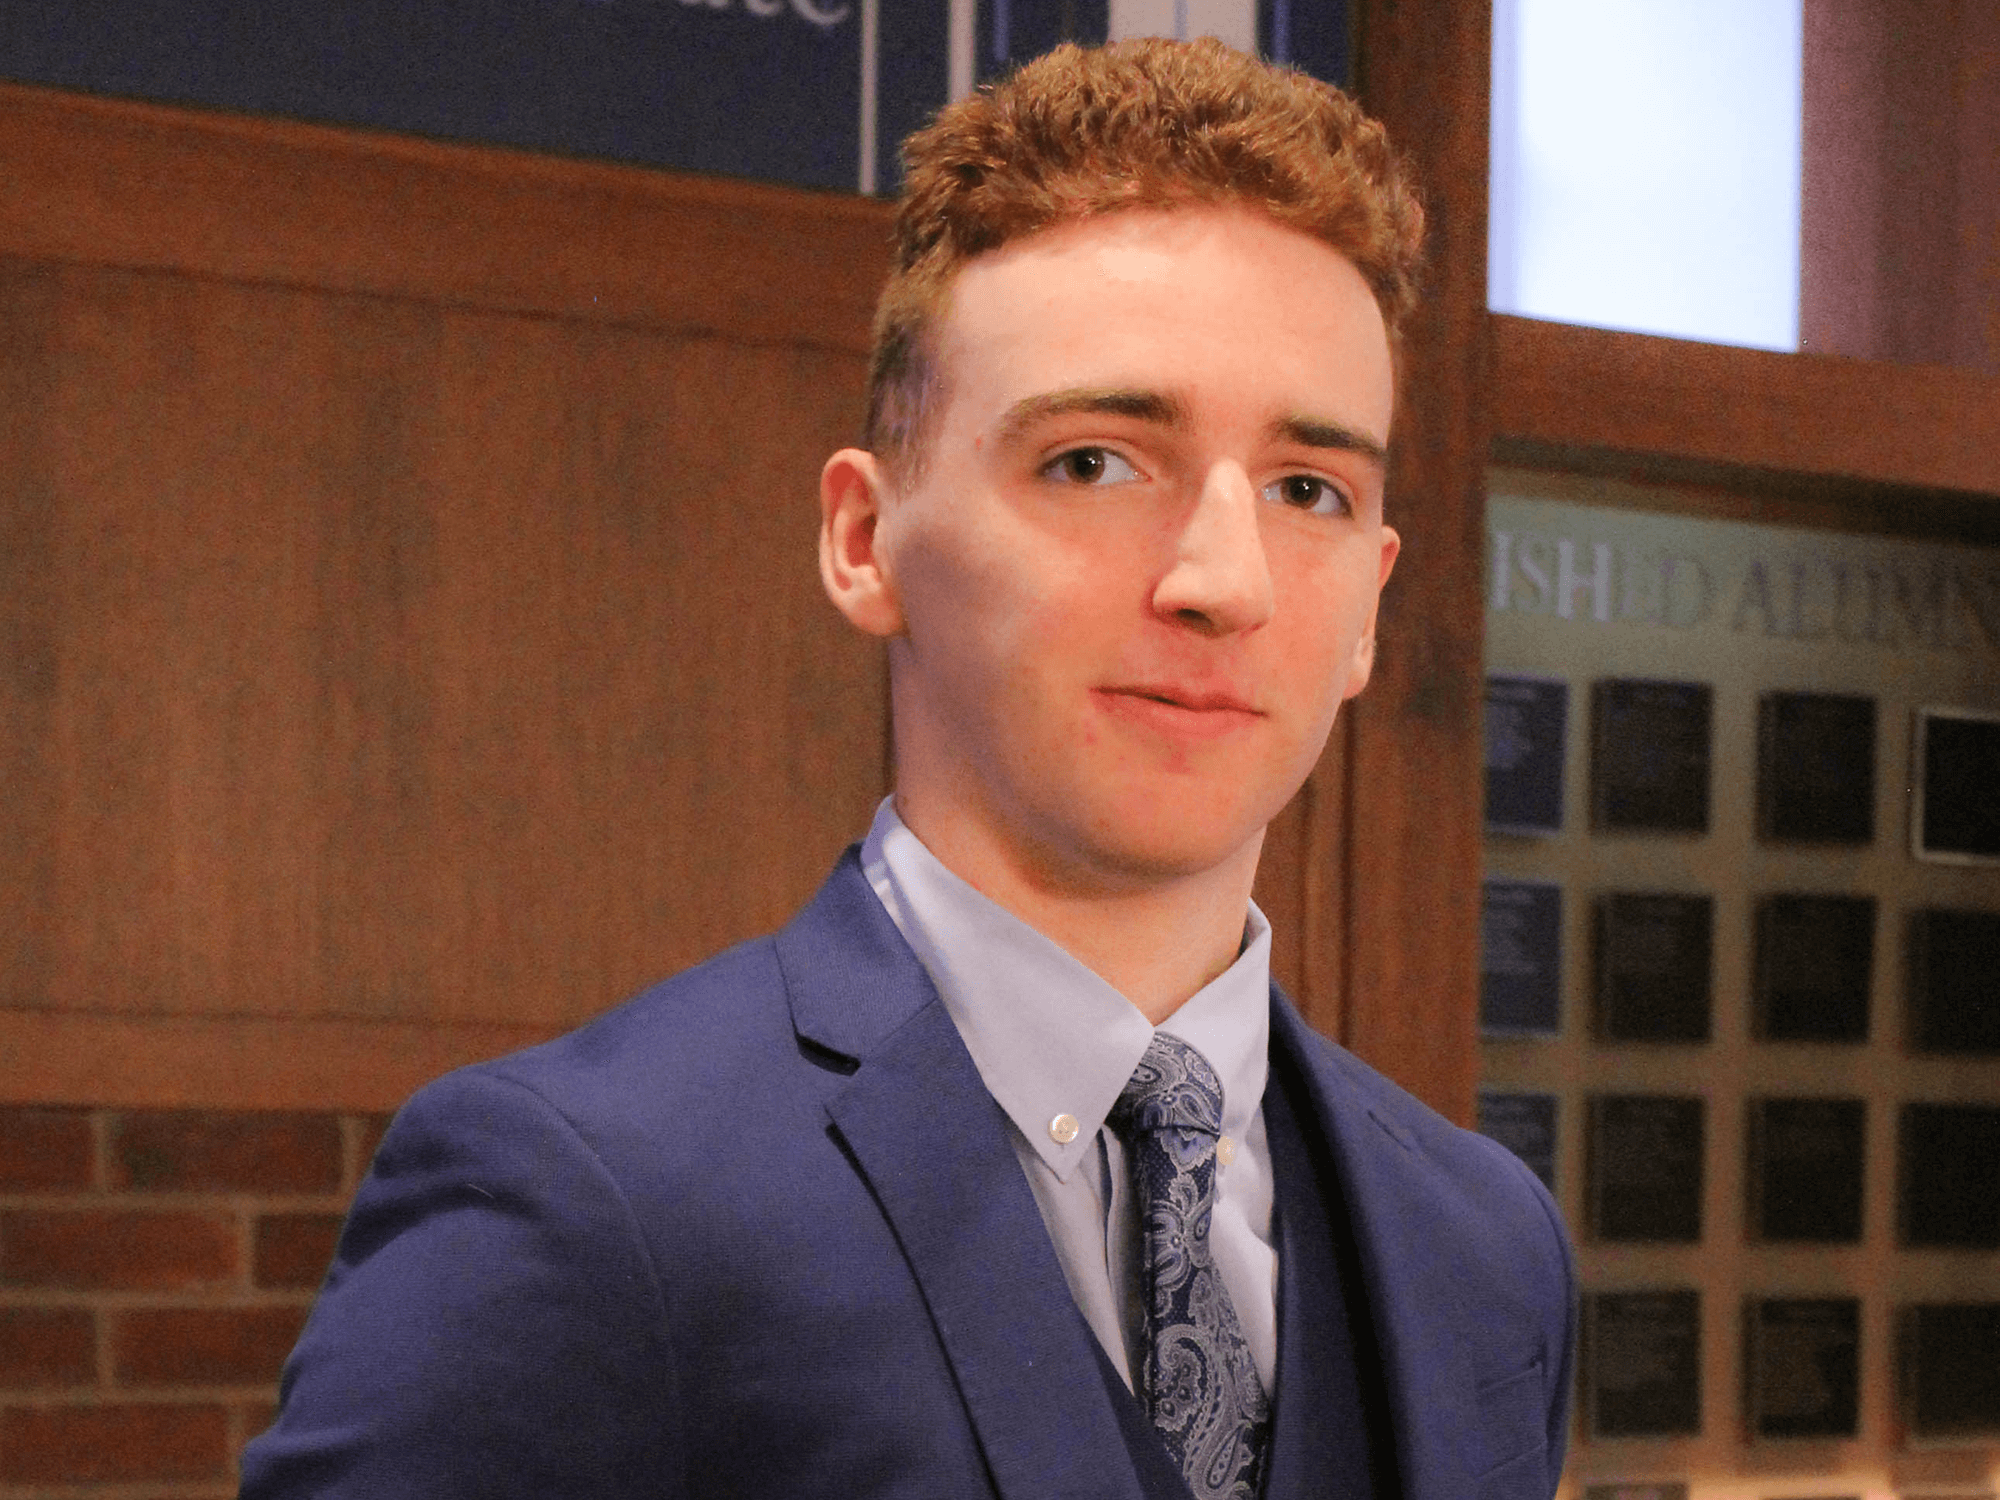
<point>1196,1377</point>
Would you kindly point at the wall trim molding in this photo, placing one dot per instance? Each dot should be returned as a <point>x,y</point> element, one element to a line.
<point>98,181</point>
<point>1921,426</point>
<point>236,1062</point>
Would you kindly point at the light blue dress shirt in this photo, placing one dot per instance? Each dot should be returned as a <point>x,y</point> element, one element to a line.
<point>1055,1045</point>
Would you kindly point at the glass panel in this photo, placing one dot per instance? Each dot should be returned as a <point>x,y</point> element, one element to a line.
<point>1646,166</point>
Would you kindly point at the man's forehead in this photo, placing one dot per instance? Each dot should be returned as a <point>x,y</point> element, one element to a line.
<point>1141,251</point>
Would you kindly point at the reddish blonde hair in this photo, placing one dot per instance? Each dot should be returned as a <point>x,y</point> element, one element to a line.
<point>1140,124</point>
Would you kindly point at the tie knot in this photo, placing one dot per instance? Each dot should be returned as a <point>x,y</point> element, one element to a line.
<point>1173,1088</point>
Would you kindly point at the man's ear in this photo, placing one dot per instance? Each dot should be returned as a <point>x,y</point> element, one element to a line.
<point>852,492</point>
<point>1364,648</point>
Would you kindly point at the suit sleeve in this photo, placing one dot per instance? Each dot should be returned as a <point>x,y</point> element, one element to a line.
<point>492,1325</point>
<point>1563,1385</point>
<point>1561,1378</point>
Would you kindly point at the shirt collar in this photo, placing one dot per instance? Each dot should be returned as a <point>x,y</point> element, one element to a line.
<point>1050,1037</point>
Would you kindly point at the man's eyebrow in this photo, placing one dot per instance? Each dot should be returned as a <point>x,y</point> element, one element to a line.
<point>1145,406</point>
<point>1315,432</point>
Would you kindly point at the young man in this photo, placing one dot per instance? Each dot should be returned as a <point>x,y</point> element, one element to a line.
<point>1004,1170</point>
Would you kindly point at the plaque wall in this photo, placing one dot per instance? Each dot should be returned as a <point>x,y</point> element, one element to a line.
<point>1741,992</point>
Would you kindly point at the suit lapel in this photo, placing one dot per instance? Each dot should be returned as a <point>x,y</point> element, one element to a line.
<point>934,1149</point>
<point>1393,1215</point>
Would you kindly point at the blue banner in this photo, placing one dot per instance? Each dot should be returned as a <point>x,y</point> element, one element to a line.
<point>751,88</point>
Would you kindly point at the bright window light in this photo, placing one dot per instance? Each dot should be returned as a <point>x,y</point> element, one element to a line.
<point>1646,166</point>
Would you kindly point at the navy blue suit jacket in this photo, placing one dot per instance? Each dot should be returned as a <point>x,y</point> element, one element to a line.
<point>760,1232</point>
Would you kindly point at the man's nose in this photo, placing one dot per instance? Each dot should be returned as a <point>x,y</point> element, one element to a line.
<point>1220,579</point>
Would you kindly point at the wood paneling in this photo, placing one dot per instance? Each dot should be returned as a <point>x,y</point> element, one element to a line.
<point>411,662</point>
<point>1900,188</point>
<point>235,1062</point>
<point>1300,881</point>
<point>1412,755</point>
<point>1924,426</point>
<point>110,182</point>
<point>403,658</point>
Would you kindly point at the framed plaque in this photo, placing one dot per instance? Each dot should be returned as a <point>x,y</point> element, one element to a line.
<point>1803,1367</point>
<point>1815,956</point>
<point>1649,756</point>
<point>1955,807</point>
<point>1520,958</point>
<point>1948,1165</point>
<point>1951,1369</point>
<point>1527,732</point>
<point>1954,1002</point>
<point>1804,1177</point>
<point>1815,768</point>
<point>1526,1125</point>
<point>1654,967</point>
<point>1645,1168</point>
<point>1644,1359</point>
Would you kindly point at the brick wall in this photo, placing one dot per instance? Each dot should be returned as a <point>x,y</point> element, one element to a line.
<point>155,1269</point>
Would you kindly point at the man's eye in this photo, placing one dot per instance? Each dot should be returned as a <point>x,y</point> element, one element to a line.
<point>1307,492</point>
<point>1090,466</point>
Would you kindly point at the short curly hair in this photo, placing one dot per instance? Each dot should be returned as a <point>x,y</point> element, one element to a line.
<point>1149,123</point>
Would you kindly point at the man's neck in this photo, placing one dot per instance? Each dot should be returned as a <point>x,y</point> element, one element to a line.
<point>1156,942</point>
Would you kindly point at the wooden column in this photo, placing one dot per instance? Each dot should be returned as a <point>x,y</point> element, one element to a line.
<point>1411,760</point>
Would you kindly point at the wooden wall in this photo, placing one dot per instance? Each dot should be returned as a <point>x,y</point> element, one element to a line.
<point>410,634</point>
<point>1900,193</point>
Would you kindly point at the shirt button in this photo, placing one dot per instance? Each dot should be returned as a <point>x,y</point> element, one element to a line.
<point>1062,1129</point>
<point>1225,1150</point>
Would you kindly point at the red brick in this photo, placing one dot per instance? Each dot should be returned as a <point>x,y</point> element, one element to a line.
<point>46,1346</point>
<point>105,1444</point>
<point>203,1345</point>
<point>225,1151</point>
<point>293,1250</point>
<point>98,1250</point>
<point>370,1132</point>
<point>44,1150</point>
<point>253,1418</point>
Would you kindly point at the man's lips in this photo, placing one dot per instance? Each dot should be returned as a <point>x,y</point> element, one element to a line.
<point>1199,713</point>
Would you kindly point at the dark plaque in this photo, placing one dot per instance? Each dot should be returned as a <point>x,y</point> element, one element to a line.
<point>1804,1179</point>
<point>1645,1163</point>
<point>1816,769</point>
<point>1948,1160</point>
<point>1653,967</point>
<point>1804,1375</point>
<point>1520,957</point>
<point>1815,956</point>
<point>1957,809</point>
<point>1649,756</point>
<point>1951,1369</point>
<point>1637,1489</point>
<point>1526,1125</point>
<point>1645,1364</point>
<point>1527,721</point>
<point>1955,980</point>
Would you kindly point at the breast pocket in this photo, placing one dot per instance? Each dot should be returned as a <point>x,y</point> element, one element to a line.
<point>1513,1418</point>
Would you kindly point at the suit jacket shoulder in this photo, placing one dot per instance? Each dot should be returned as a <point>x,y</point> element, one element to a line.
<point>758,1231</point>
